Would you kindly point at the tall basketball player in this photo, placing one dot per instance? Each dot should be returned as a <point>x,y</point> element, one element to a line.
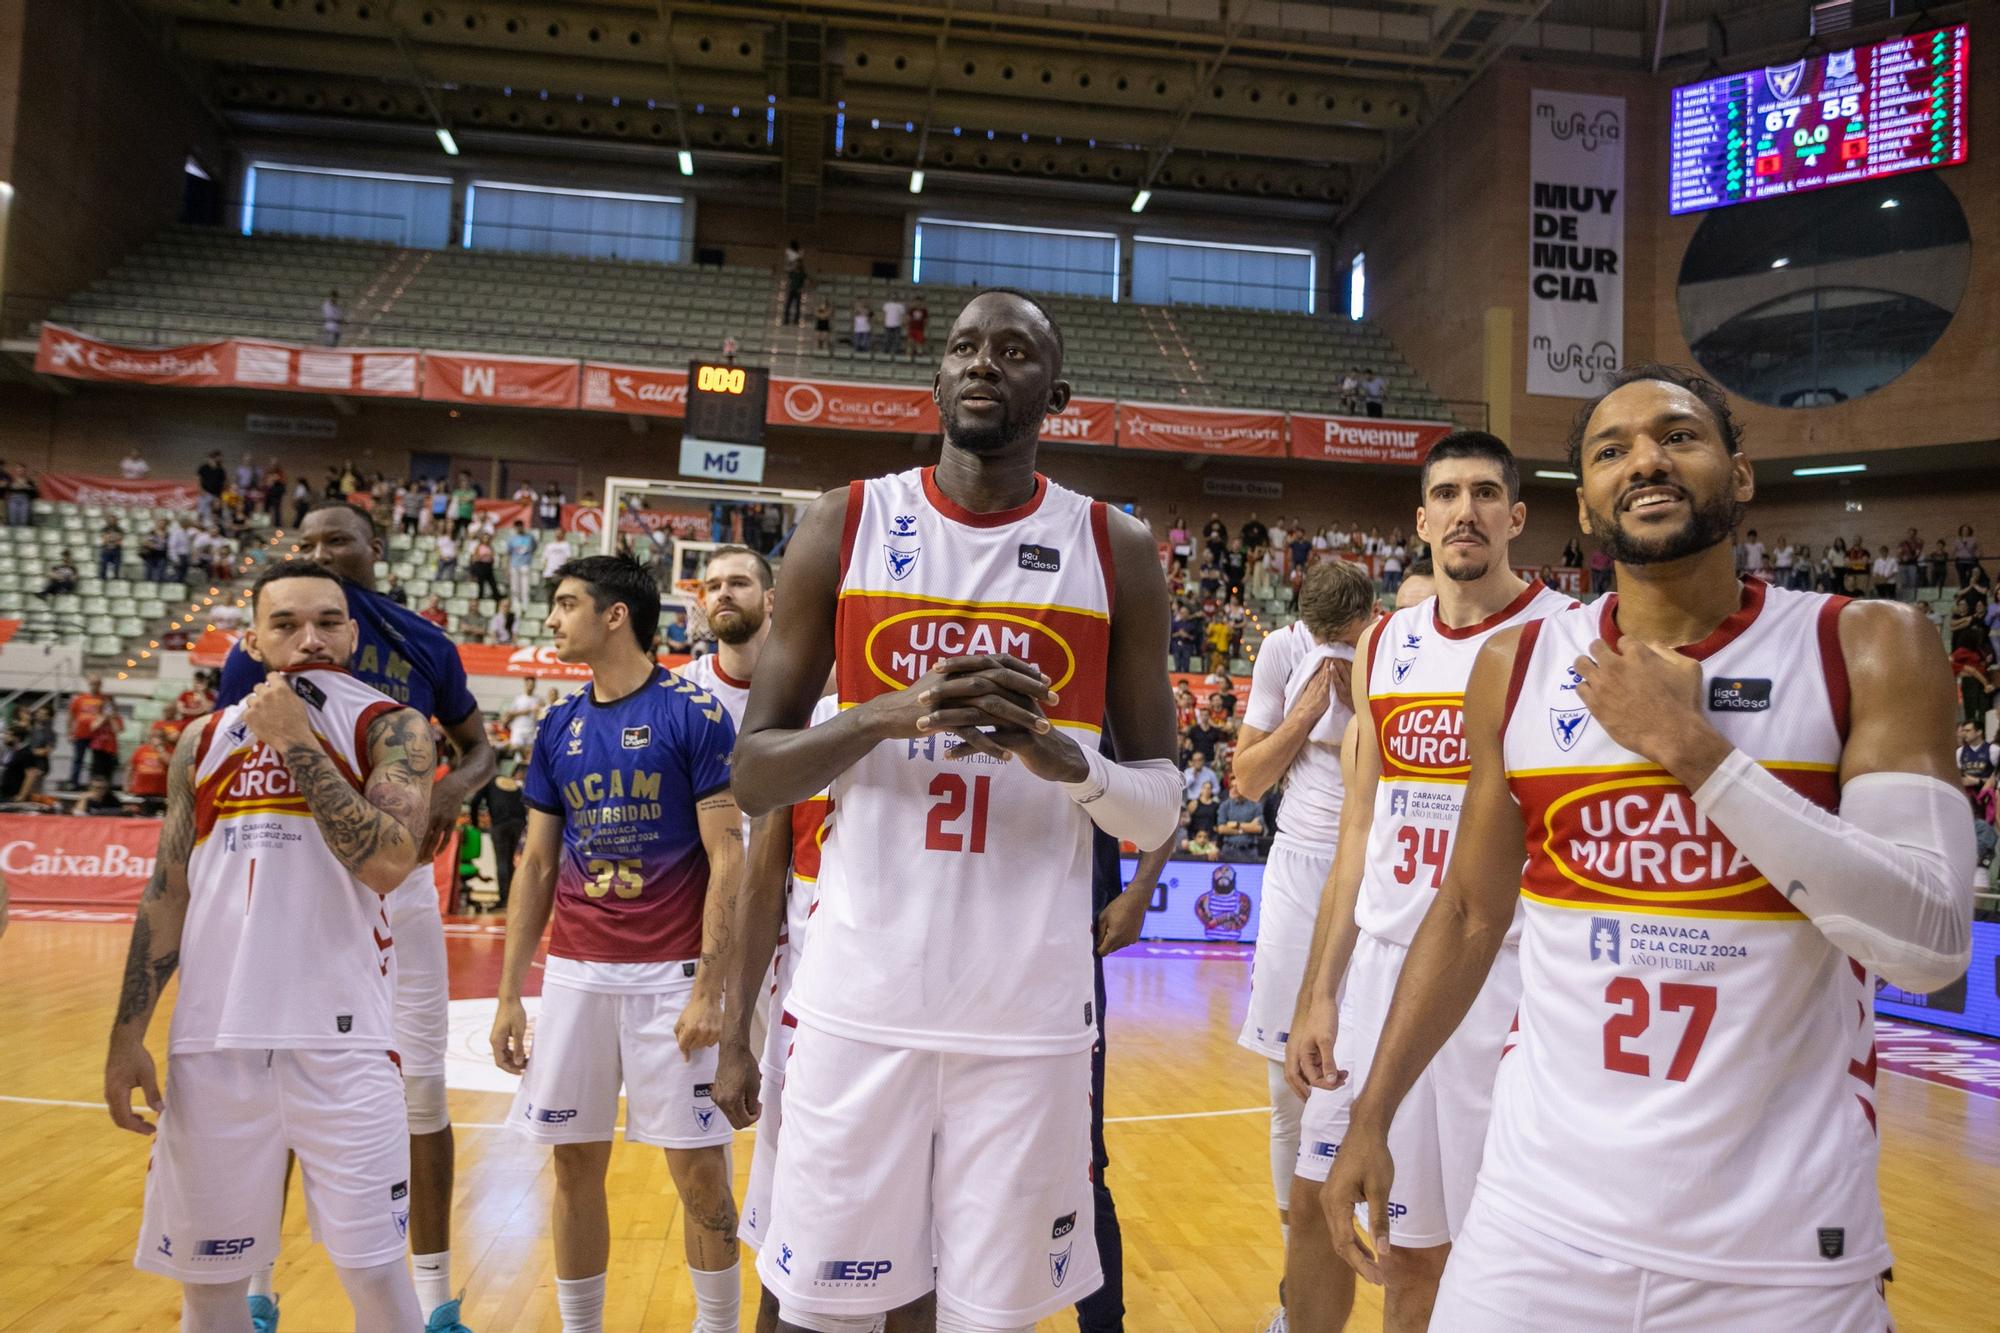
<point>1299,694</point>
<point>634,842</point>
<point>937,1099</point>
<point>413,662</point>
<point>737,597</point>
<point>1410,775</point>
<point>1738,806</point>
<point>291,816</point>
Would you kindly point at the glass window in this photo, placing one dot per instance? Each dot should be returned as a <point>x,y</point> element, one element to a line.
<point>590,224</point>
<point>1817,298</point>
<point>1169,271</point>
<point>355,205</point>
<point>1357,287</point>
<point>1035,259</point>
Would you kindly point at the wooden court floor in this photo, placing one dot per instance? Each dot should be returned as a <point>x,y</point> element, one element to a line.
<point>1189,1172</point>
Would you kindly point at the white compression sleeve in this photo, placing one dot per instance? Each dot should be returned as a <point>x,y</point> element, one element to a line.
<point>1888,880</point>
<point>1139,802</point>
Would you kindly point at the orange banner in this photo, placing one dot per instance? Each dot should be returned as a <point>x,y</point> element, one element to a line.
<point>499,659</point>
<point>508,381</point>
<point>1326,439</point>
<point>639,390</point>
<point>77,859</point>
<point>81,357</point>
<point>372,372</point>
<point>1084,421</point>
<point>834,405</point>
<point>1234,432</point>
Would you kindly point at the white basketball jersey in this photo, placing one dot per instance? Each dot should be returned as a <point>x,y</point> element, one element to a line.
<point>1417,669</point>
<point>812,825</point>
<point>1691,1089</point>
<point>1309,815</point>
<point>954,902</point>
<point>282,946</point>
<point>707,672</point>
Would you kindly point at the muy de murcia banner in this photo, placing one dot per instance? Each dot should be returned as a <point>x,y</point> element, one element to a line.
<point>1576,242</point>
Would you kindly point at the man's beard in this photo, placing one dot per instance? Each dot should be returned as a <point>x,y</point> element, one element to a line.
<point>1708,525</point>
<point>986,437</point>
<point>740,630</point>
<point>1467,572</point>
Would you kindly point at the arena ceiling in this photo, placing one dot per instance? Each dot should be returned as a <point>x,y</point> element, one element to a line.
<point>1239,104</point>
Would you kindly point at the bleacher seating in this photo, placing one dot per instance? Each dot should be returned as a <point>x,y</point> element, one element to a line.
<point>109,615</point>
<point>191,283</point>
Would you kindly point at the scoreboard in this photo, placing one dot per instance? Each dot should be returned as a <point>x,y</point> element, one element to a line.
<point>1833,119</point>
<point>725,403</point>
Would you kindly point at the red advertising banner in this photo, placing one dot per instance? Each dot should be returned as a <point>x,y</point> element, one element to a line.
<point>70,859</point>
<point>639,390</point>
<point>81,357</point>
<point>498,659</point>
<point>837,405</point>
<point>1235,432</point>
<point>507,381</point>
<point>1326,439</point>
<point>76,488</point>
<point>1084,421</point>
<point>372,372</point>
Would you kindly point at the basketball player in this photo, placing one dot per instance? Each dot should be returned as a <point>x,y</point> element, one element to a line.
<point>291,817</point>
<point>413,662</point>
<point>635,843</point>
<point>1737,804</point>
<point>937,1098</point>
<point>1410,774</point>
<point>737,597</point>
<point>1299,693</point>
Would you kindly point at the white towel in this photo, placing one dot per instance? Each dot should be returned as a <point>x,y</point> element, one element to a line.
<point>1333,722</point>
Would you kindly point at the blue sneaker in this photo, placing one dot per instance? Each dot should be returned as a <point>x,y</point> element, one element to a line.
<point>444,1319</point>
<point>264,1314</point>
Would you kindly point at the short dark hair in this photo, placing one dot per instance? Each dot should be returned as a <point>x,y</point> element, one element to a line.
<point>1040,309</point>
<point>1707,390</point>
<point>619,578</point>
<point>1472,444</point>
<point>291,569</point>
<point>764,574</point>
<point>367,518</point>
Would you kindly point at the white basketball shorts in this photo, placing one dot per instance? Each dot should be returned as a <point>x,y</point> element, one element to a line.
<point>587,1044</point>
<point>1505,1277</point>
<point>1439,1132</point>
<point>215,1191</point>
<point>1293,879</point>
<point>423,989</point>
<point>1321,1129</point>
<point>755,1221</point>
<point>894,1159</point>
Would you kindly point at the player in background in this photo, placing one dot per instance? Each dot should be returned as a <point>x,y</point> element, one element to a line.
<point>937,1097</point>
<point>737,597</point>
<point>413,662</point>
<point>1299,693</point>
<point>282,1039</point>
<point>1737,803</point>
<point>634,842</point>
<point>1410,772</point>
<point>1419,582</point>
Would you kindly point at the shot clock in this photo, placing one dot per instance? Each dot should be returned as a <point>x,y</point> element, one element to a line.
<point>726,403</point>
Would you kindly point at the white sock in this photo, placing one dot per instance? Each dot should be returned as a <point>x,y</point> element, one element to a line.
<point>260,1281</point>
<point>1285,1230</point>
<point>718,1298</point>
<point>433,1275</point>
<point>581,1304</point>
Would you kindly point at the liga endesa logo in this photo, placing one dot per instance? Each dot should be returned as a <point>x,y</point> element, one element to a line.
<point>901,648</point>
<point>112,861</point>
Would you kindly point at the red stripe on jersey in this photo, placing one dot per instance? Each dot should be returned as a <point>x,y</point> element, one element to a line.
<point>1718,638</point>
<point>1833,662</point>
<point>856,492</point>
<point>999,518</point>
<point>1500,617</point>
<point>1868,1109</point>
<point>1524,651</point>
<point>1100,532</point>
<point>808,831</point>
<point>207,725</point>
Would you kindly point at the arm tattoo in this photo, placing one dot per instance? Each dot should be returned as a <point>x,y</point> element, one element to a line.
<point>389,817</point>
<point>145,975</point>
<point>163,906</point>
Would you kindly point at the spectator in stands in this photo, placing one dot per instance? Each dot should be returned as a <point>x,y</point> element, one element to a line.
<point>548,509</point>
<point>1886,570</point>
<point>104,732</point>
<point>1215,536</point>
<point>500,625</point>
<point>1298,547</point>
<point>21,490</point>
<point>521,564</point>
<point>1204,814</point>
<point>555,554</point>
<point>110,549</point>
<point>480,565</point>
<point>146,774</point>
<point>464,503</point>
<point>274,493</point>
<point>1374,393</point>
<point>27,766</point>
<point>153,552</point>
<point>1235,568</point>
<point>98,799</point>
<point>1600,571</point>
<point>331,315</point>
<point>440,508</point>
<point>1909,564</point>
<point>62,578</point>
<point>1857,569</point>
<point>1978,767</point>
<point>894,312</point>
<point>1202,740</point>
<point>447,552</point>
<point>1218,645</point>
<point>519,718</point>
<point>212,478</point>
<point>1965,553</point>
<point>248,475</point>
<point>1572,556</point>
<point>1392,568</point>
<point>1240,821</point>
<point>471,629</point>
<point>435,613</point>
<point>393,589</point>
<point>133,467</point>
<point>197,699</point>
<point>1350,390</point>
<point>1254,533</point>
<point>1751,554</point>
<point>822,324</point>
<point>729,346</point>
<point>863,326</point>
<point>917,328</point>
<point>675,636</point>
<point>795,281</point>
<point>302,500</point>
<point>1266,573</point>
<point>174,637</point>
<point>1784,558</point>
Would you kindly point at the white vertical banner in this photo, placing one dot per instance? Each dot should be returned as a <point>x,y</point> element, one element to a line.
<point>1576,242</point>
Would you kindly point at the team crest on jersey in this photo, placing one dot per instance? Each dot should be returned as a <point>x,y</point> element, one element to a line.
<point>1407,657</point>
<point>1567,726</point>
<point>900,562</point>
<point>1059,1265</point>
